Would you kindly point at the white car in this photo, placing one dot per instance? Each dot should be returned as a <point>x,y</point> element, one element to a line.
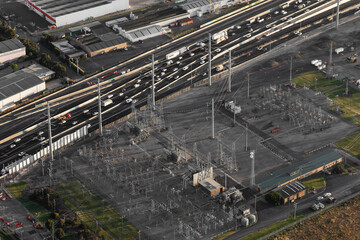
<point>238,27</point>
<point>176,77</point>
<point>17,140</point>
<point>129,100</point>
<point>192,54</point>
<point>136,85</point>
<point>74,122</point>
<point>248,35</point>
<point>86,111</point>
<point>164,70</point>
<point>283,12</point>
<point>40,133</point>
<point>202,62</point>
<point>125,48</point>
<point>162,73</point>
<point>204,74</point>
<point>175,69</point>
<point>307,10</point>
<point>180,58</point>
<point>218,50</point>
<point>185,68</point>
<point>178,62</point>
<point>121,94</point>
<point>12,145</point>
<point>327,194</point>
<point>319,198</point>
<point>110,95</point>
<point>203,58</point>
<point>259,48</point>
<point>21,154</point>
<point>63,121</point>
<point>95,113</point>
<point>276,12</point>
<point>289,19</point>
<point>138,81</point>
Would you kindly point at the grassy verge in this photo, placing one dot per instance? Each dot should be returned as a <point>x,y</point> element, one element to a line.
<point>322,83</point>
<point>351,144</point>
<point>313,182</point>
<point>222,236</point>
<point>36,210</point>
<point>90,207</point>
<point>272,228</point>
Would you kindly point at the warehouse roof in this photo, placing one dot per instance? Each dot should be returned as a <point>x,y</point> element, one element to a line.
<point>291,189</point>
<point>295,170</point>
<point>10,45</point>
<point>105,44</point>
<point>39,71</point>
<point>146,31</point>
<point>67,49</point>
<point>17,82</point>
<point>197,4</point>
<point>57,8</point>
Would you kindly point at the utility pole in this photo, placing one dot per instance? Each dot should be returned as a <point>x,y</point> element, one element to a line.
<point>246,138</point>
<point>153,81</point>
<point>330,60</point>
<point>212,119</point>
<point>255,203</point>
<point>229,79</point>
<point>100,117</point>
<point>252,177</point>
<point>50,136</point>
<point>316,84</point>
<point>337,14</point>
<point>248,78</point>
<point>234,113</point>
<point>209,77</point>
<point>225,181</point>
<point>77,65</point>
<point>291,70</point>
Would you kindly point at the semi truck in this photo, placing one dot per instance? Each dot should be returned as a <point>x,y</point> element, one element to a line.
<point>176,53</point>
<point>220,37</point>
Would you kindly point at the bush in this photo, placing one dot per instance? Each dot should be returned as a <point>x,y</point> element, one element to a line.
<point>60,233</point>
<point>54,215</point>
<point>274,198</point>
<point>14,66</point>
<point>339,169</point>
<point>6,32</point>
<point>32,49</point>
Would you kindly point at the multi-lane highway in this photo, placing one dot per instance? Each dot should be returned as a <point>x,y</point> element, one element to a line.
<point>25,131</point>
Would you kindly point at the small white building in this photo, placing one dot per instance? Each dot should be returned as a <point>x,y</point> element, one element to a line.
<point>64,12</point>
<point>17,86</point>
<point>11,50</point>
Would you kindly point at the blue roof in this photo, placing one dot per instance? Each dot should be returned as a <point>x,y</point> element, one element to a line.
<point>303,167</point>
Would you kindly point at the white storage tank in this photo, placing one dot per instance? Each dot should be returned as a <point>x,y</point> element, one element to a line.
<point>252,219</point>
<point>245,221</point>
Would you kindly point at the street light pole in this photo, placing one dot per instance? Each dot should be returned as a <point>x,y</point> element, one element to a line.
<point>99,106</point>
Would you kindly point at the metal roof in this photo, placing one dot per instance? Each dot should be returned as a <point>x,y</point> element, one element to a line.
<point>57,8</point>
<point>197,4</point>
<point>142,32</point>
<point>291,189</point>
<point>38,70</point>
<point>210,184</point>
<point>297,169</point>
<point>10,45</point>
<point>17,82</point>
<point>105,44</point>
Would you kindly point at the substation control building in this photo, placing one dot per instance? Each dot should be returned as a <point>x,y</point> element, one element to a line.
<point>11,50</point>
<point>64,12</point>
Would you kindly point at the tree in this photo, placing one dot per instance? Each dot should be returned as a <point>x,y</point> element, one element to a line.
<point>274,198</point>
<point>6,32</point>
<point>339,169</point>
<point>59,69</point>
<point>14,66</point>
<point>45,60</point>
<point>60,233</point>
<point>83,57</point>
<point>32,49</point>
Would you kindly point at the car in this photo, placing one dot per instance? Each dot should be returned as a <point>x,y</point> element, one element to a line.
<point>21,154</point>
<point>321,205</point>
<point>248,35</point>
<point>233,34</point>
<point>125,49</point>
<point>74,122</point>
<point>175,69</point>
<point>202,62</point>
<point>269,26</point>
<point>40,133</point>
<point>180,58</point>
<point>121,94</point>
<point>178,62</point>
<point>250,30</point>
<point>328,194</point>
<point>331,199</point>
<point>289,19</point>
<point>12,145</point>
<point>307,10</point>
<point>136,85</point>
<point>63,121</point>
<point>283,12</point>
<point>169,62</point>
<point>128,70</point>
<point>284,19</point>
<point>18,224</point>
<point>185,68</point>
<point>129,100</point>
<point>162,73</point>
<point>259,48</point>
<point>164,70</point>
<point>123,72</point>
<point>238,27</point>
<point>319,198</point>
<point>192,54</point>
<point>86,111</point>
<point>218,50</point>
<point>204,74</point>
<point>176,77</point>
<point>110,95</point>
<point>138,81</point>
<point>276,12</point>
<point>95,113</point>
<point>17,140</point>
<point>203,58</point>
<point>41,138</point>
<point>135,100</point>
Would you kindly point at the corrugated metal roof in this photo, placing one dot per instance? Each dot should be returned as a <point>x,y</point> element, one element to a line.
<point>10,45</point>
<point>17,82</point>
<point>297,169</point>
<point>106,44</point>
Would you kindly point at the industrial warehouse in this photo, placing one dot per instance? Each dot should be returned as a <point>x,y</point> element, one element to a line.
<point>64,12</point>
<point>11,50</point>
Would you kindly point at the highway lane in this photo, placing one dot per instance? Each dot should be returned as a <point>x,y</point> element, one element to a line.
<point>105,119</point>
